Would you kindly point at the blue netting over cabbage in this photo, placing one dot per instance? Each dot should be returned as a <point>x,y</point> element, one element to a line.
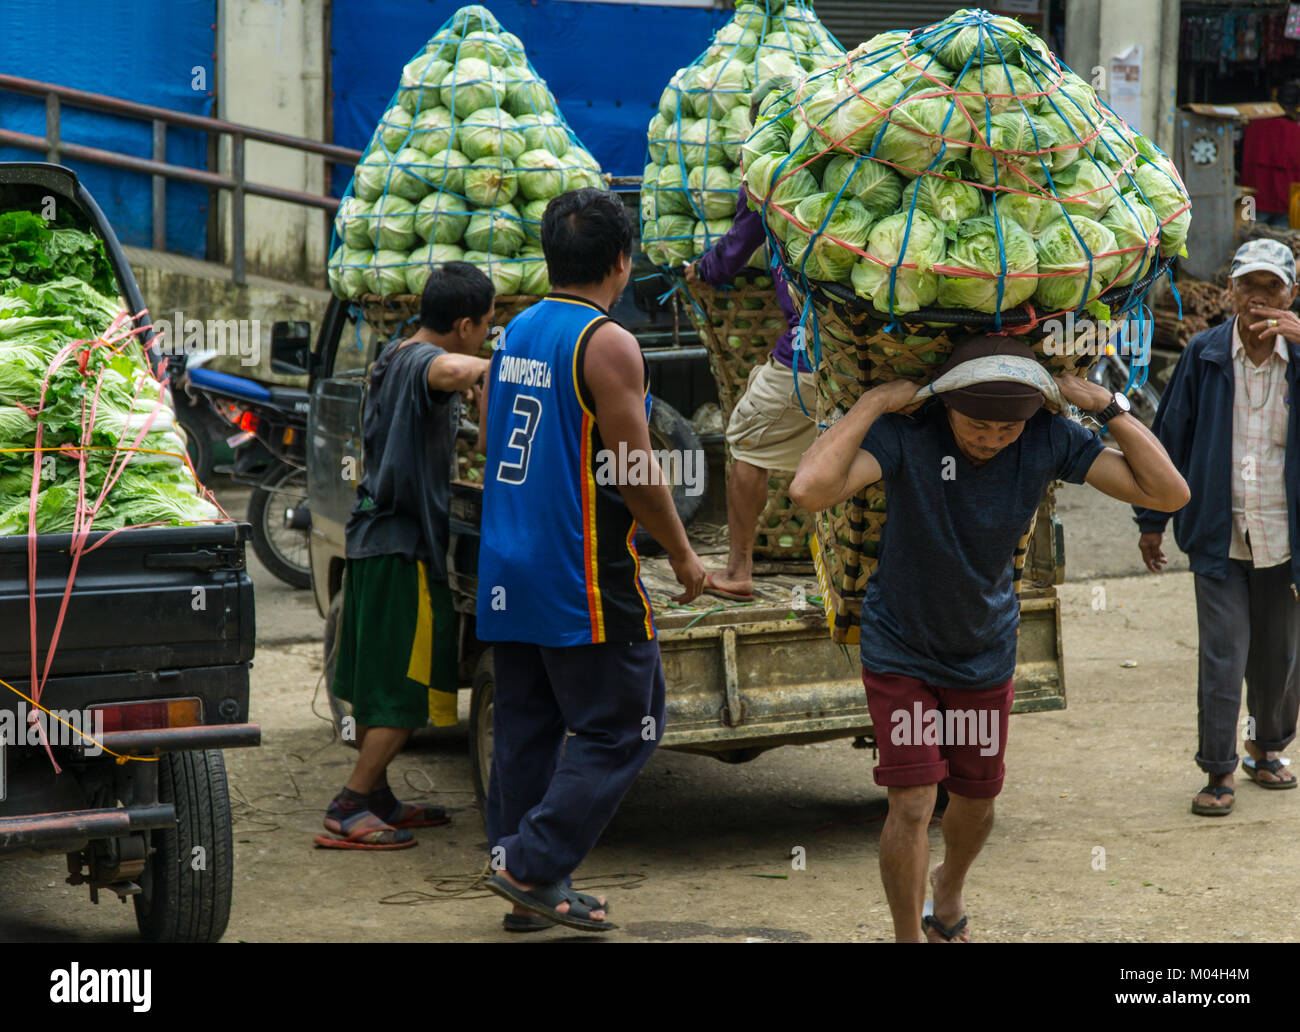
<point>692,177</point>
<point>961,168</point>
<point>461,167</point>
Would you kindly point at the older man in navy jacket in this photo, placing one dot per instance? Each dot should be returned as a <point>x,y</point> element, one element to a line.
<point>1228,423</point>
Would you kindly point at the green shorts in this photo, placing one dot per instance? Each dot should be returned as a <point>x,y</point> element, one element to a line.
<point>396,659</point>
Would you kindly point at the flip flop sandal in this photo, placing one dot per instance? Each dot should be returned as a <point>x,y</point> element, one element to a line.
<point>1218,791</point>
<point>1252,767</point>
<point>359,833</point>
<point>712,589</point>
<point>590,902</point>
<point>543,899</point>
<point>412,815</point>
<point>526,923</point>
<point>931,923</point>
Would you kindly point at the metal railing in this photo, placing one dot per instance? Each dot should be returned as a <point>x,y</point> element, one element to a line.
<point>236,183</point>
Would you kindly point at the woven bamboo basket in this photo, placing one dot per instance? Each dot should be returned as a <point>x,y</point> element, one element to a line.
<point>393,314</point>
<point>739,324</point>
<point>858,351</point>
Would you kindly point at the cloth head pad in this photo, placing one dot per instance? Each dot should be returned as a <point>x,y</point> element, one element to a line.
<point>996,400</point>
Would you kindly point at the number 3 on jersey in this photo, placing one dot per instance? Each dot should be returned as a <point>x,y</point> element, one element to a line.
<point>521,440</point>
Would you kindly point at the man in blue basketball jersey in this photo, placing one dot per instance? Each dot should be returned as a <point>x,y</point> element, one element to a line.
<point>559,587</point>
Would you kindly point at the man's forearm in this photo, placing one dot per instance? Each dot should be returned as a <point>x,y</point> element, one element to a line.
<point>1153,471</point>
<point>652,507</point>
<point>826,463</point>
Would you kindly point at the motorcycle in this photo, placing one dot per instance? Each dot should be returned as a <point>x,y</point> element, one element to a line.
<point>266,427</point>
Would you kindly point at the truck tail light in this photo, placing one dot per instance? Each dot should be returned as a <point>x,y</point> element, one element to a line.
<point>248,422</point>
<point>155,713</point>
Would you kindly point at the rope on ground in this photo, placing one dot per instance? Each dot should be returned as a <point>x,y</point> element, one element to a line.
<point>450,888</point>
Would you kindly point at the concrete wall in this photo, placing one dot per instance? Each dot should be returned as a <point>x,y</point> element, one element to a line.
<point>1097,30</point>
<point>271,74</point>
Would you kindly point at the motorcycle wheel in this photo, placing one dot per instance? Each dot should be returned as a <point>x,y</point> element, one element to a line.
<point>284,552</point>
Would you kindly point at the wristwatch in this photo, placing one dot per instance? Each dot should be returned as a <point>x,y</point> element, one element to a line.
<point>1118,404</point>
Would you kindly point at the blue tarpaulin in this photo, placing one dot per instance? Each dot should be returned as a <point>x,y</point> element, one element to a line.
<point>158,52</point>
<point>606,63</point>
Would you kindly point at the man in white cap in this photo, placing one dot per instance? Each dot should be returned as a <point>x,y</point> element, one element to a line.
<point>1226,420</point>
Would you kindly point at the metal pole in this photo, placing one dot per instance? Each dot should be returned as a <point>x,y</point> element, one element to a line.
<point>52,128</point>
<point>237,209</point>
<point>159,187</point>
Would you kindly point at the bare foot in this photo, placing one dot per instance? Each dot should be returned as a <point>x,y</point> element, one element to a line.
<point>949,908</point>
<point>727,581</point>
<point>563,908</point>
<point>1222,802</point>
<point>1256,753</point>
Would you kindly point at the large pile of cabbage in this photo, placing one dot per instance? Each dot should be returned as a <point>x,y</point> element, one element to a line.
<point>962,166</point>
<point>692,180</point>
<point>70,367</point>
<point>461,167</point>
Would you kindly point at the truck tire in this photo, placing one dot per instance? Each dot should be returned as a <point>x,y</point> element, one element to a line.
<point>198,443</point>
<point>278,547</point>
<point>186,893</point>
<point>480,729</point>
<point>670,430</point>
<point>340,709</point>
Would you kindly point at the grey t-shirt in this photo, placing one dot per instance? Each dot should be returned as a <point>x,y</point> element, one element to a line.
<point>409,434</point>
<point>941,606</point>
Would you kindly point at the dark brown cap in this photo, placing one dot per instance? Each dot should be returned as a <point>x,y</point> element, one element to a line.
<point>998,401</point>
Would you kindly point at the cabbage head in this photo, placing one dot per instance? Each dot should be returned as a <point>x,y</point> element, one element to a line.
<point>1035,212</point>
<point>707,234</point>
<point>701,143</point>
<point>544,132</point>
<point>1088,187</point>
<point>443,46</point>
<point>736,128</point>
<point>976,248</point>
<point>421,79</point>
<point>490,131</point>
<point>408,178</point>
<point>1157,183</point>
<point>771,64</point>
<point>875,186</point>
<point>498,230</point>
<point>433,130</point>
<point>676,237</point>
<point>1136,230</point>
<point>504,273</point>
<point>917,136</point>
<point>352,222</point>
<point>1075,101</point>
<point>393,226</point>
<point>712,192</point>
<point>491,182</point>
<point>371,176</point>
<point>944,196</point>
<point>1059,250</point>
<point>474,18</point>
<point>441,218</point>
<point>830,253</point>
<point>777,179</point>
<point>913,288</point>
<point>541,174</point>
<point>1067,149</point>
<point>471,86</point>
<point>515,54</point>
<point>999,88</point>
<point>651,246</point>
<point>960,38</point>
<point>772,138</point>
<point>351,265</point>
<point>484,46</point>
<point>445,170</point>
<point>718,88</point>
<point>734,42</point>
<point>533,212</point>
<point>529,97</point>
<point>850,121</point>
<point>386,273</point>
<point>670,193</point>
<point>1008,146</point>
<point>423,259</point>
<point>533,276</point>
<point>394,128</point>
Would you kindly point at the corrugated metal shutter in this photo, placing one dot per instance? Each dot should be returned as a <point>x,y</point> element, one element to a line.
<point>855,21</point>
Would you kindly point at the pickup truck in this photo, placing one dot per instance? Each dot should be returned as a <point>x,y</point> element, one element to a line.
<point>741,678</point>
<point>156,645</point>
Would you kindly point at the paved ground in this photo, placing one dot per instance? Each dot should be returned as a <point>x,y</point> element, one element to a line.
<point>1094,840</point>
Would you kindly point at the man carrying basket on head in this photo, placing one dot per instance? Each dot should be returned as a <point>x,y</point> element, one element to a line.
<point>940,617</point>
<point>773,423</point>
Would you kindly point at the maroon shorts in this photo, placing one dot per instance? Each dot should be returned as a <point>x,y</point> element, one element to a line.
<point>925,734</point>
